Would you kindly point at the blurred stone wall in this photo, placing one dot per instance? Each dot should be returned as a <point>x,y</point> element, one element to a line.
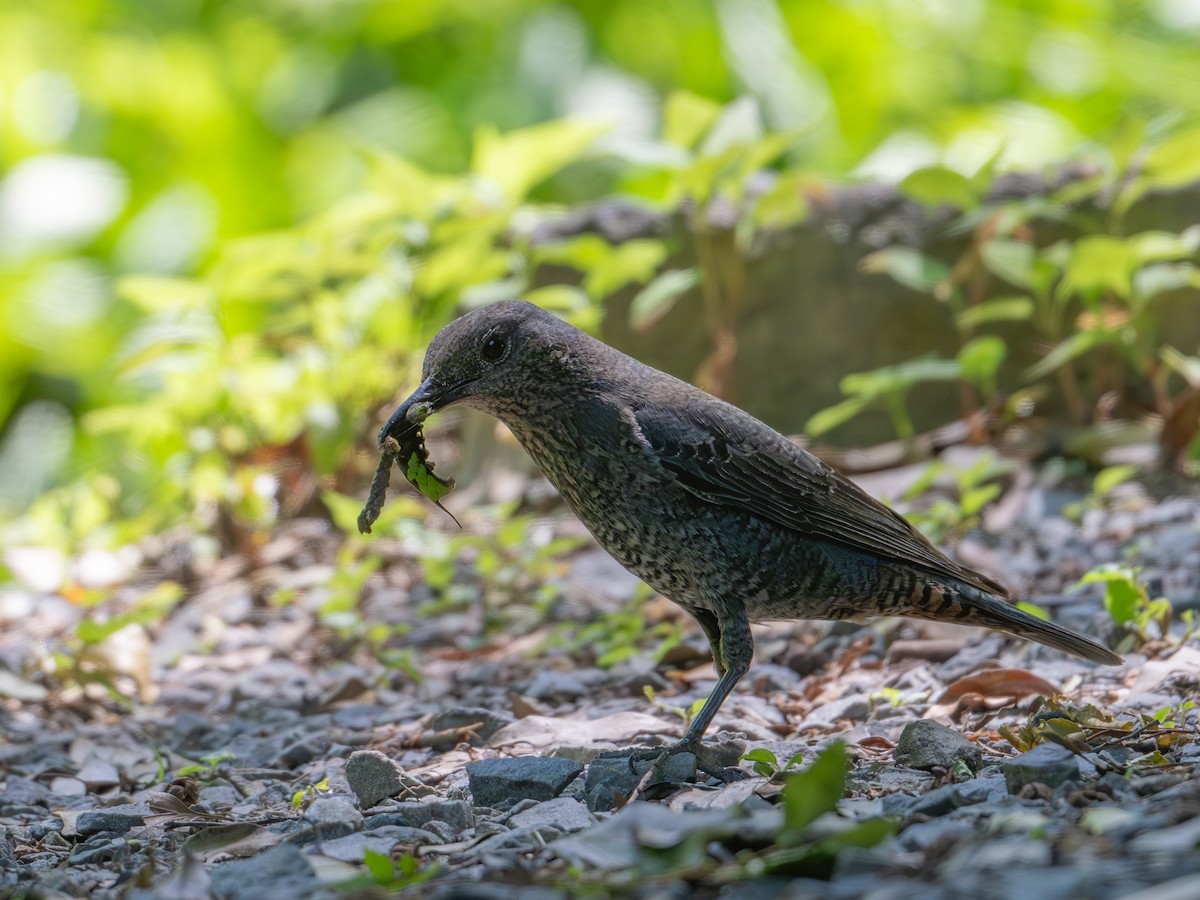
<point>810,315</point>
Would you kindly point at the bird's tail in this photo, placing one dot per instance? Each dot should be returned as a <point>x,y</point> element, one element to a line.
<point>957,602</point>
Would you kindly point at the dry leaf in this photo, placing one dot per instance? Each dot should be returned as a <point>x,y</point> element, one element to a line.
<point>990,685</point>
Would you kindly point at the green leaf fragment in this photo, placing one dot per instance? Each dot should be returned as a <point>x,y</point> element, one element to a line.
<point>420,475</point>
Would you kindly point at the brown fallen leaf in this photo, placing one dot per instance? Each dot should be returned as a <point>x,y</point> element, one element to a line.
<point>990,685</point>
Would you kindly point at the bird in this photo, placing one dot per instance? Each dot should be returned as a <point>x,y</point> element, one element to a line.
<point>711,507</point>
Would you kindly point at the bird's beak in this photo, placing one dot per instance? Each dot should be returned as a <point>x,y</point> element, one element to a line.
<point>434,396</point>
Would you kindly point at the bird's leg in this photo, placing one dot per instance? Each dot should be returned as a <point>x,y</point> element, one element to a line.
<point>733,649</point>
<point>732,653</point>
<point>712,630</point>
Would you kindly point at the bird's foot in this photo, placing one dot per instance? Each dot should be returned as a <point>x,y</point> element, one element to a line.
<point>645,754</point>
<point>660,760</point>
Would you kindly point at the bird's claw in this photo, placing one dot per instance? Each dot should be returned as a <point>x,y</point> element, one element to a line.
<point>705,761</point>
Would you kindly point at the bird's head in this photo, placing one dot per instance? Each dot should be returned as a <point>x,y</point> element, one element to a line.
<point>497,359</point>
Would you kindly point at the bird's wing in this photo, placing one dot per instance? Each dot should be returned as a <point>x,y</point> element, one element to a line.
<point>765,475</point>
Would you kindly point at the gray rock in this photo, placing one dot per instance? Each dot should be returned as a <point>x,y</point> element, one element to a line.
<point>925,744</point>
<point>550,685</point>
<point>1047,764</point>
<point>489,722</point>
<point>352,847</point>
<point>500,783</point>
<point>304,751</point>
<point>458,814</point>
<point>853,707</point>
<point>562,814</point>
<point>20,791</point>
<point>610,780</point>
<point>111,818</point>
<point>99,851</point>
<point>949,797</point>
<point>923,835</point>
<point>898,785</point>
<point>282,871</point>
<point>1003,854</point>
<point>1174,841</point>
<point>373,777</point>
<point>329,818</point>
<point>1046,882</point>
<point>402,834</point>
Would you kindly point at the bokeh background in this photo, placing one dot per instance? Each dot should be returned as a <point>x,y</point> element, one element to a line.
<point>228,229</point>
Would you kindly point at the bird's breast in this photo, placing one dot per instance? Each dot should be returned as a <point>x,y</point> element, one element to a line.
<point>619,490</point>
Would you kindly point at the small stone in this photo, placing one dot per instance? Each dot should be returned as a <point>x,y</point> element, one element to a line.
<point>416,837</point>
<point>20,791</point>
<point>112,818</point>
<point>898,786</point>
<point>373,777</point>
<point>949,797</point>
<point>610,781</point>
<point>1176,841</point>
<point>853,707</point>
<point>500,783</point>
<point>330,818</point>
<point>282,871</point>
<point>1047,764</point>
<point>295,755</point>
<point>100,851</point>
<point>488,722</point>
<point>458,814</point>
<point>923,835</point>
<point>926,744</point>
<point>562,814</point>
<point>353,847</point>
<point>550,685</point>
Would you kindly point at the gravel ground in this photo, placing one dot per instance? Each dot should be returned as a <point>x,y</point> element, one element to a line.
<point>305,722</point>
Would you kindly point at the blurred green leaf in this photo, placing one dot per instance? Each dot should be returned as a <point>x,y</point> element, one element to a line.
<point>908,267</point>
<point>980,360</point>
<point>686,117</point>
<point>1009,260</point>
<point>833,416</point>
<point>1001,309</point>
<point>658,297</point>
<point>1073,347</point>
<point>1099,263</point>
<point>900,377</point>
<point>520,160</point>
<point>1111,476</point>
<point>814,791</point>
<point>939,185</point>
<point>1173,163</point>
<point>634,261</point>
<point>780,207</point>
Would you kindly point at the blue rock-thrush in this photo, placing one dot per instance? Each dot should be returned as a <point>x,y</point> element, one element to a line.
<point>711,507</point>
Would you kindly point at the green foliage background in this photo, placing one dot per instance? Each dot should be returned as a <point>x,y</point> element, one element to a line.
<point>228,229</point>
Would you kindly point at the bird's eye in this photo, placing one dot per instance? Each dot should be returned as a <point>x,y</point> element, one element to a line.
<point>494,347</point>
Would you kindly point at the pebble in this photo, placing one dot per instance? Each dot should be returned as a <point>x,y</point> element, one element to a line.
<point>352,847</point>
<point>458,814</point>
<point>487,722</point>
<point>926,744</point>
<point>329,818</point>
<point>501,783</point>
<point>1047,764</point>
<point>562,814</point>
<point>373,777</point>
<point>282,871</point>
<point>111,818</point>
<point>611,780</point>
